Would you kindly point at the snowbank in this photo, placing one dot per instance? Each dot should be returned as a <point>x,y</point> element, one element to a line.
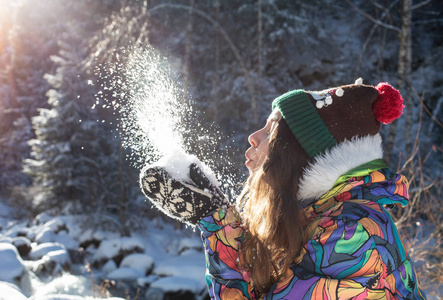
<point>109,266</point>
<point>22,244</point>
<point>191,264</point>
<point>141,262</point>
<point>69,297</point>
<point>162,259</point>
<point>9,291</point>
<point>59,256</point>
<point>124,274</point>
<point>177,284</point>
<point>190,243</point>
<point>41,250</point>
<point>111,248</point>
<point>67,284</point>
<point>11,264</point>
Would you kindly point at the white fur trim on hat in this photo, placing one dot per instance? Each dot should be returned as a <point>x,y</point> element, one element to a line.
<point>320,176</point>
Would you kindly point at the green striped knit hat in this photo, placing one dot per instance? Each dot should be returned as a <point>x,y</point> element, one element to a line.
<point>319,120</point>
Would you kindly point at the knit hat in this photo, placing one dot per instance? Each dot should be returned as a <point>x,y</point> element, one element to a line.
<point>321,119</point>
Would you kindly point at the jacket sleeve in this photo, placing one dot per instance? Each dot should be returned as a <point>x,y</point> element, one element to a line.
<point>351,256</point>
<point>221,234</point>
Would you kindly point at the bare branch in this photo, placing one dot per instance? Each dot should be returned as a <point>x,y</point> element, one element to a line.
<point>428,111</point>
<point>374,27</point>
<point>379,6</point>
<point>418,5</point>
<point>428,21</point>
<point>362,51</point>
<point>378,22</point>
<point>227,39</point>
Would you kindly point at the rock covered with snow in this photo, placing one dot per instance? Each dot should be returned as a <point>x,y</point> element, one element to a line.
<point>57,230</point>
<point>132,267</point>
<point>132,244</point>
<point>9,291</point>
<point>107,250</point>
<point>92,237</point>
<point>64,238</point>
<point>45,236</point>
<point>175,287</point>
<point>190,243</point>
<point>42,218</point>
<point>11,264</point>
<point>55,262</point>
<point>141,262</point>
<point>6,239</point>
<point>177,284</point>
<point>127,261</point>
<point>22,244</point>
<point>41,250</point>
<point>146,281</point>
<point>17,228</point>
<point>129,274</point>
<point>190,264</point>
<point>117,249</point>
<point>109,266</point>
<point>155,294</point>
<point>68,297</point>
<point>87,238</point>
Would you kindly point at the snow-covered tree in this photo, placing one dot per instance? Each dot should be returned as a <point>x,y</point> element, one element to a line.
<point>70,145</point>
<point>28,34</point>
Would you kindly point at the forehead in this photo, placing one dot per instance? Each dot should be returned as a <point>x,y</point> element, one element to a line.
<point>275,115</point>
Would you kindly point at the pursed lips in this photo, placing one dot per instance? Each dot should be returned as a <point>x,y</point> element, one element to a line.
<point>248,159</point>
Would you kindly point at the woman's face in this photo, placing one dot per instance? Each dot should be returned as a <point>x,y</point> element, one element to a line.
<point>259,141</point>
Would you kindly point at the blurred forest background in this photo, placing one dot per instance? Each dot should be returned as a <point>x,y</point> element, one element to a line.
<point>60,156</point>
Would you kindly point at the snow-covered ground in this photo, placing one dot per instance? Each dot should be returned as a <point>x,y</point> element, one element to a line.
<point>61,257</point>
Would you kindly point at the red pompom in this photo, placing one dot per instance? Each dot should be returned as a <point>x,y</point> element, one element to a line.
<point>389,104</point>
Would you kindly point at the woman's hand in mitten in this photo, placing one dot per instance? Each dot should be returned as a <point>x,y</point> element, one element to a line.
<point>201,180</point>
<point>180,200</point>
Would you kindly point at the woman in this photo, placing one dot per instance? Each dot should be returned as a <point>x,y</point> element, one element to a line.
<point>312,221</point>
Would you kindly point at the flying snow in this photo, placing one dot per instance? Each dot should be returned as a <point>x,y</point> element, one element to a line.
<point>156,120</point>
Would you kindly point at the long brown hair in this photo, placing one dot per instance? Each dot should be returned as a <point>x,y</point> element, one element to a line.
<point>272,215</point>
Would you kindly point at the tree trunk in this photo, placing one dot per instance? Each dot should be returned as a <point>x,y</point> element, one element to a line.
<point>9,44</point>
<point>403,71</point>
<point>260,57</point>
<point>217,62</point>
<point>123,205</point>
<point>407,16</point>
<point>186,65</point>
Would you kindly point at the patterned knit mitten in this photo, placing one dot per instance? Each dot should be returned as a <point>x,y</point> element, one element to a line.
<point>186,202</point>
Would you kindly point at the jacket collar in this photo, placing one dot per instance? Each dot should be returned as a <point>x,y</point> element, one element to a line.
<point>322,175</point>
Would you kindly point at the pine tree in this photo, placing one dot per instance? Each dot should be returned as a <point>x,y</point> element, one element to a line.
<point>14,131</point>
<point>28,30</point>
<point>70,144</point>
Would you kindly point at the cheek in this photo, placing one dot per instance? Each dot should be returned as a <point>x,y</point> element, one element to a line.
<point>263,149</point>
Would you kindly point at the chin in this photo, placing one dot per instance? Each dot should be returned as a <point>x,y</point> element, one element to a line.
<point>250,168</point>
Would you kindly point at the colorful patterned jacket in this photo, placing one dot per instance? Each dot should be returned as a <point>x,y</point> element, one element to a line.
<point>354,250</point>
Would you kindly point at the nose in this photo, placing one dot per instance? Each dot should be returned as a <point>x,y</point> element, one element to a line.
<point>254,139</point>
